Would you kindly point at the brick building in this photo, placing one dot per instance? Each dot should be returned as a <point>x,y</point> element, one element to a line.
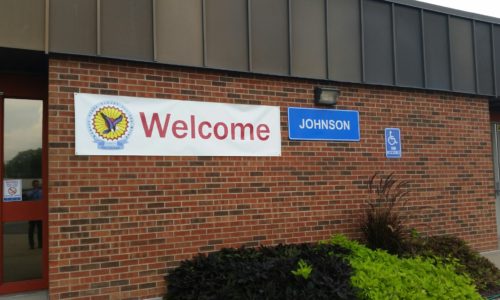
<point>112,224</point>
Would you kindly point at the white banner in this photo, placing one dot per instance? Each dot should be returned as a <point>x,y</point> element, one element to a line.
<point>116,125</point>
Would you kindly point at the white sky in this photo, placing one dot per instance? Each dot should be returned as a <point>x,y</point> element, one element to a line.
<point>483,7</point>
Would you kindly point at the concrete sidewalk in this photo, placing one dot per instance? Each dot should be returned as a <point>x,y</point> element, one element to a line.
<point>493,256</point>
<point>40,295</point>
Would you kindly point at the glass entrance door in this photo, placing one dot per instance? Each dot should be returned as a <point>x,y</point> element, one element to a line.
<point>23,209</point>
<point>495,131</point>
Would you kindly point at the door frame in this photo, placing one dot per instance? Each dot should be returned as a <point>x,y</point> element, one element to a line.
<point>495,149</point>
<point>36,88</point>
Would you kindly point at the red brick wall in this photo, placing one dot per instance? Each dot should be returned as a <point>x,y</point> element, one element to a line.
<point>117,223</point>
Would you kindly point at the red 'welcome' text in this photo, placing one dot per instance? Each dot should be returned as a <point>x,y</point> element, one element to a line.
<point>205,129</point>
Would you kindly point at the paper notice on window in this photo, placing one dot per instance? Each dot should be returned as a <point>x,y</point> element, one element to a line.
<point>12,190</point>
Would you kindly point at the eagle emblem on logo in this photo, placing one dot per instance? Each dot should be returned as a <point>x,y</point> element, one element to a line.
<point>110,125</point>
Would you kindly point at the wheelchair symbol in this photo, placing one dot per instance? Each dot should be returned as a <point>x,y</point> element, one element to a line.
<point>391,139</point>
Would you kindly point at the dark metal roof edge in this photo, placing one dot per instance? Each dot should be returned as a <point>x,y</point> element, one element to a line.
<point>446,10</point>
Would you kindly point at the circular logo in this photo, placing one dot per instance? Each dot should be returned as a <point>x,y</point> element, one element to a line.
<point>110,123</point>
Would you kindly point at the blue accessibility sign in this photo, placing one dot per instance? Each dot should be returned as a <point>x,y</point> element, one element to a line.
<point>393,143</point>
<point>323,124</point>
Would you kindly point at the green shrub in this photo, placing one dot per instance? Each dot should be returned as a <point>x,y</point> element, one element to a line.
<point>382,225</point>
<point>274,273</point>
<point>484,274</point>
<point>379,275</point>
<point>383,228</point>
<point>304,270</point>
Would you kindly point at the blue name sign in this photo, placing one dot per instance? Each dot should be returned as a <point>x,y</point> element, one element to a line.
<point>323,124</point>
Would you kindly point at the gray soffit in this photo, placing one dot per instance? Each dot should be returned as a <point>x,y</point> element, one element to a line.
<point>399,43</point>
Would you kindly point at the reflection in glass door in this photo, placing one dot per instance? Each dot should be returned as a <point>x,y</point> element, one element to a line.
<point>20,262</point>
<point>24,205</point>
